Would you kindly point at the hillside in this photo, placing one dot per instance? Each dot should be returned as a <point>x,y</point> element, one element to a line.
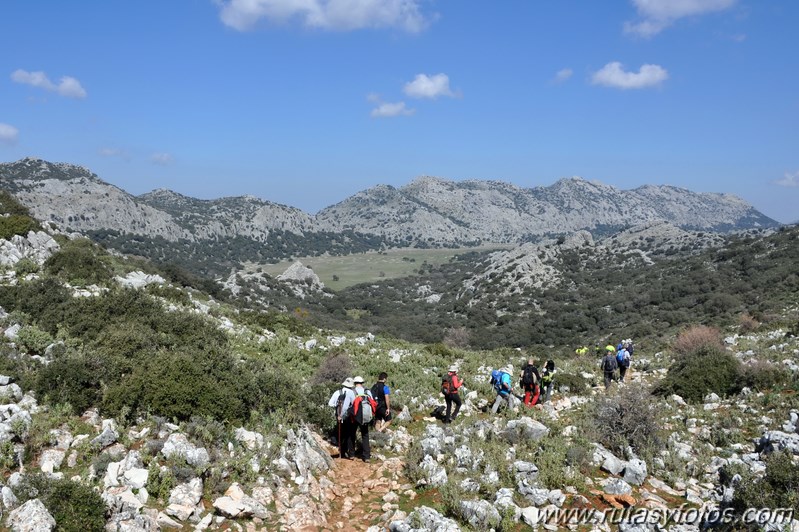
<point>213,237</point>
<point>447,212</point>
<point>131,401</point>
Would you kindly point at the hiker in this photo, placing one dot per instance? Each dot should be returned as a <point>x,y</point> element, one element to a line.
<point>547,379</point>
<point>450,384</point>
<point>382,395</point>
<point>609,365</point>
<point>623,361</point>
<point>343,400</point>
<point>530,383</point>
<point>504,388</point>
<point>362,404</point>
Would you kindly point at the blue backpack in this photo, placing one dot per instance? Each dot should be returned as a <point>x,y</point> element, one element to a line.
<point>495,378</point>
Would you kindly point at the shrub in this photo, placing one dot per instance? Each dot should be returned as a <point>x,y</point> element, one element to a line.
<point>333,369</point>
<point>695,338</point>
<point>17,224</point>
<point>75,507</point>
<point>34,340</point>
<point>78,262</point>
<point>762,375</point>
<point>576,383</point>
<point>708,369</point>
<point>70,380</point>
<point>747,323</point>
<point>25,266</point>
<point>779,487</point>
<point>627,418</point>
<point>180,384</point>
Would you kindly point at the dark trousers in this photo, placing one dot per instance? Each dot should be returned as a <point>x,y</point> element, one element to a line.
<point>349,432</point>
<point>531,394</point>
<point>347,443</point>
<point>622,373</point>
<point>608,378</point>
<point>453,398</point>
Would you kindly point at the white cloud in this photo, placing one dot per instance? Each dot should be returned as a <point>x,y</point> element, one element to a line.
<point>114,152</point>
<point>788,180</point>
<point>388,110</point>
<point>8,134</point>
<point>68,86</point>
<point>563,74</point>
<point>424,86</point>
<point>340,15</point>
<point>613,75</point>
<point>162,159</point>
<point>658,15</point>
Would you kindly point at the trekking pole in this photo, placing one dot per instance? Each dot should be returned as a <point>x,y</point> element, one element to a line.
<point>340,446</point>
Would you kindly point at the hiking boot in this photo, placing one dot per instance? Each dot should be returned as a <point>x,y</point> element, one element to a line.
<point>366,460</point>
<point>447,420</point>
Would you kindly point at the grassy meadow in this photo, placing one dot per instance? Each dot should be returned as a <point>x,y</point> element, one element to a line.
<point>372,266</point>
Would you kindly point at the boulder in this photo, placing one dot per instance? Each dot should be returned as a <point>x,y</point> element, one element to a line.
<point>250,440</point>
<point>431,521</point>
<point>635,472</point>
<point>31,517</point>
<point>178,445</point>
<point>504,502</point>
<point>435,475</point>
<point>108,436</point>
<point>616,486</point>
<point>776,440</point>
<point>236,504</point>
<point>524,429</point>
<point>480,514</point>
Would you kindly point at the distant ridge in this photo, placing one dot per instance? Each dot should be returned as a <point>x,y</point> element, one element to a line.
<point>428,211</point>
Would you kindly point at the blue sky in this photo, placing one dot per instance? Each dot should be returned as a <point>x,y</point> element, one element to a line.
<point>305,102</point>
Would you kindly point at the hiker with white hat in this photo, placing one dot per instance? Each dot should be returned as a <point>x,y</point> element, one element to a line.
<point>450,384</point>
<point>341,400</point>
<point>354,424</point>
<point>504,387</point>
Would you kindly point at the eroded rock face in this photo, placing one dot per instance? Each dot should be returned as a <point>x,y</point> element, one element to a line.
<point>37,246</point>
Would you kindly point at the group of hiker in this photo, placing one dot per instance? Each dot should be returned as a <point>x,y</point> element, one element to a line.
<point>531,382</point>
<point>617,358</point>
<point>357,408</point>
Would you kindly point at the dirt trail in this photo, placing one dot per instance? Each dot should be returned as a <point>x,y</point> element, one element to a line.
<point>364,492</point>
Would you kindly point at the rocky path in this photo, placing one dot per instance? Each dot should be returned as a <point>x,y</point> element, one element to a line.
<point>364,494</point>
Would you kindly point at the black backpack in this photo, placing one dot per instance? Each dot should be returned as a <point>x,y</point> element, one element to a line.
<point>530,376</point>
<point>378,392</point>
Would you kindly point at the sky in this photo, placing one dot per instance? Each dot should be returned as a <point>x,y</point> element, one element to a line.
<point>306,102</point>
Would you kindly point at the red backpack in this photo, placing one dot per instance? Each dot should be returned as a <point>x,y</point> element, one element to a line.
<point>363,409</point>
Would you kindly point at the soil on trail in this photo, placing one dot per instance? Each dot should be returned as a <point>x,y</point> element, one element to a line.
<point>366,494</point>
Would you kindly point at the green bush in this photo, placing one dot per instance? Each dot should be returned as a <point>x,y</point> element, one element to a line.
<point>709,369</point>
<point>25,266</point>
<point>34,340</point>
<point>761,375</point>
<point>181,384</point>
<point>17,224</point>
<point>78,263</point>
<point>779,487</point>
<point>75,507</point>
<point>576,383</point>
<point>72,380</point>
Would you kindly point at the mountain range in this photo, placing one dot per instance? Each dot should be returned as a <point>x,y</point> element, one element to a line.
<point>429,211</point>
